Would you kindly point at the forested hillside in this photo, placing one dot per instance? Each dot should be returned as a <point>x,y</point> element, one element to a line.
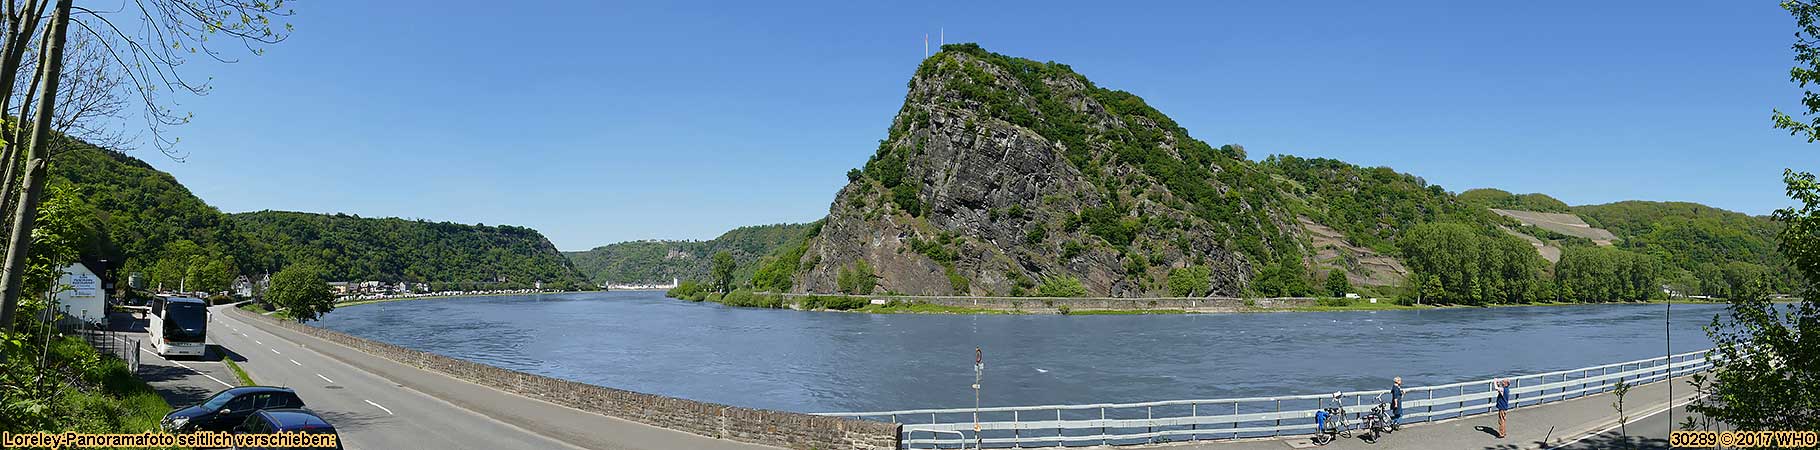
<point>1705,245</point>
<point>148,223</point>
<point>661,261</point>
<point>391,249</point>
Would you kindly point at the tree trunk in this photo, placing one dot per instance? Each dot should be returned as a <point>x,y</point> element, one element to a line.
<point>26,213</point>
<point>9,177</point>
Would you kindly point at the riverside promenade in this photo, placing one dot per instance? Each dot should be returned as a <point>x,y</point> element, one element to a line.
<point>1588,422</point>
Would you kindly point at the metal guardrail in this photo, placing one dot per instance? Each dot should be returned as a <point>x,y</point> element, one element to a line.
<point>1232,418</point>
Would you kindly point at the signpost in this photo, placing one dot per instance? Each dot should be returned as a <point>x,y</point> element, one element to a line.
<point>979,370</point>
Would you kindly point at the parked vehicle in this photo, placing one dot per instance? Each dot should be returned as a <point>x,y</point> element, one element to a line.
<point>229,408</point>
<point>179,326</point>
<point>1376,422</point>
<point>282,420</point>
<point>1331,422</point>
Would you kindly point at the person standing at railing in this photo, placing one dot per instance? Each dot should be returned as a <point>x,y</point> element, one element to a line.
<point>1396,401</point>
<point>1503,388</point>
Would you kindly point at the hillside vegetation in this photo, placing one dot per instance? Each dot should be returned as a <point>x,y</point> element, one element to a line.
<point>661,261</point>
<point>390,249</point>
<point>148,223</point>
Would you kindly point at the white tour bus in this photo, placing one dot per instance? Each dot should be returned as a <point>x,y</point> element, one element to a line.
<point>179,326</point>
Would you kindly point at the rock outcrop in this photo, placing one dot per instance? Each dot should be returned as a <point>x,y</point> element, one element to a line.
<point>999,173</point>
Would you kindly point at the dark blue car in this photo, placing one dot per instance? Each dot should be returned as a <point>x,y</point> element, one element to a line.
<point>229,408</point>
<point>286,420</point>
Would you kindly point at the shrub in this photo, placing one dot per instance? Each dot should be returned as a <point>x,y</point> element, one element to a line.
<point>1191,281</point>
<point>843,303</point>
<point>685,290</point>
<point>746,298</point>
<point>1062,286</point>
<point>1036,235</point>
<point>1332,301</point>
<point>858,279</point>
<point>957,281</point>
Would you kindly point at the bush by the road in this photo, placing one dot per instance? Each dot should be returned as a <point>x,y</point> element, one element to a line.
<point>76,390</point>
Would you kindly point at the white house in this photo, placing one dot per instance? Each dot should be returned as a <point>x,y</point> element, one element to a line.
<point>80,295</point>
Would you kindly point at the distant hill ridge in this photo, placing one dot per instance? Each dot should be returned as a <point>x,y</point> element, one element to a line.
<point>151,224</point>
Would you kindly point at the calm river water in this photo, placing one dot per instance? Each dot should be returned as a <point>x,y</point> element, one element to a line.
<point>830,361</point>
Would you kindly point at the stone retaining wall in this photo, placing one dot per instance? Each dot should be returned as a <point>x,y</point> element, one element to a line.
<point>1055,304</point>
<point>766,427</point>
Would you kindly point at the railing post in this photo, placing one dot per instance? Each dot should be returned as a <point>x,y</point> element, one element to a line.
<point>1430,417</point>
<point>1017,432</point>
<point>1194,410</point>
<point>1149,420</point>
<point>1235,420</point>
<point>1279,426</point>
<point>1462,411</point>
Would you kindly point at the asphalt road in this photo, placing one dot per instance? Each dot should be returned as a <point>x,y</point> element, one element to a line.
<point>379,404</point>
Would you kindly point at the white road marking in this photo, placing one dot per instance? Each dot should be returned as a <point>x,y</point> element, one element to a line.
<point>297,363</point>
<point>274,351</point>
<point>192,369</point>
<point>325,378</point>
<point>387,411</point>
<point>256,341</point>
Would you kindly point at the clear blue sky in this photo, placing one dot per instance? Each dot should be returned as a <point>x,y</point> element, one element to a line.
<point>599,122</point>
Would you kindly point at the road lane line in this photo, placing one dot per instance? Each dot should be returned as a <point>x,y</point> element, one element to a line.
<point>256,341</point>
<point>297,363</point>
<point>387,411</point>
<point>274,351</point>
<point>325,378</point>
<point>192,369</point>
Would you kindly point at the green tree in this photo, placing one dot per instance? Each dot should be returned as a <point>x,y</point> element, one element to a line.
<point>1806,71</point>
<point>1472,265</point>
<point>211,274</point>
<point>1061,286</point>
<point>1767,377</point>
<point>302,291</point>
<point>1336,284</point>
<point>721,273</point>
<point>1191,281</point>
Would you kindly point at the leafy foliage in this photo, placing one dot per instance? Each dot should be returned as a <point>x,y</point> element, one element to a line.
<point>1336,284</point>
<point>1371,206</point>
<point>857,279</point>
<point>1768,361</point>
<point>1495,198</point>
<point>1191,281</point>
<point>660,261</point>
<point>1688,236</point>
<point>302,291</point>
<point>1806,70</point>
<point>1471,265</point>
<point>721,273</point>
<point>1061,286</point>
<point>349,247</point>
<point>1603,274</point>
<point>149,223</point>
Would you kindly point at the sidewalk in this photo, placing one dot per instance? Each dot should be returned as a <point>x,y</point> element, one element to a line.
<point>1532,427</point>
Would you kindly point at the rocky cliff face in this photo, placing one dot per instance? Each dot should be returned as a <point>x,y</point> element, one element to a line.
<point>999,173</point>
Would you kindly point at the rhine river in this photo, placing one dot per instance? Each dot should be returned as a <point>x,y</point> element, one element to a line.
<point>833,361</point>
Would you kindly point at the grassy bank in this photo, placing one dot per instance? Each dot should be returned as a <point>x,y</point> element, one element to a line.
<point>75,389</point>
<point>245,380</point>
